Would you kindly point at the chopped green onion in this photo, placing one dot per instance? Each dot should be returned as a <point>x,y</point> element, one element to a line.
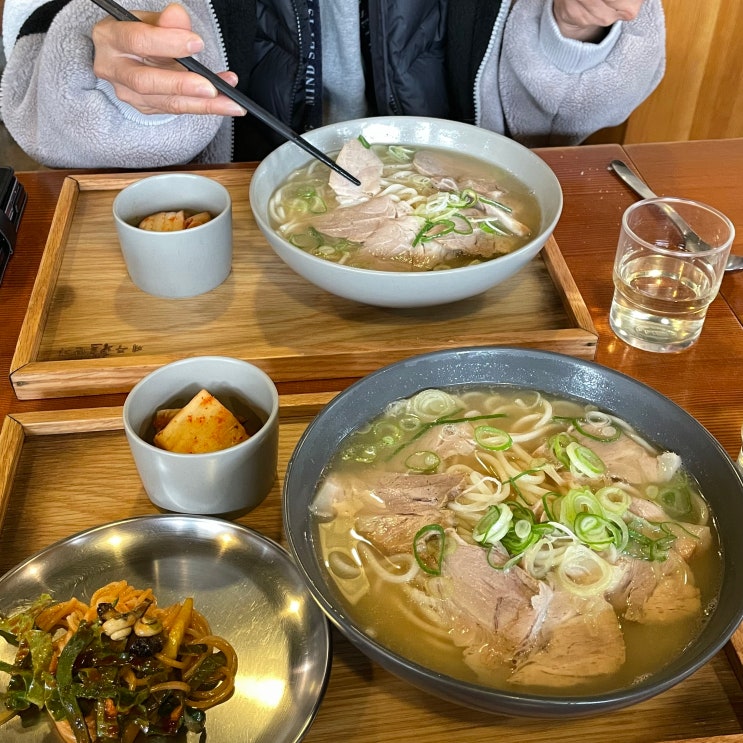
<point>646,548</point>
<point>386,432</point>
<point>432,229</point>
<point>423,461</point>
<point>492,438</point>
<point>661,547</point>
<point>595,531</point>
<point>548,501</point>
<point>364,141</point>
<point>307,199</point>
<point>496,204</point>
<point>433,403</point>
<point>469,197</point>
<point>584,460</point>
<point>613,499</point>
<point>494,525</point>
<point>582,572</point>
<point>400,153</point>
<point>422,232</point>
<point>676,501</point>
<point>409,422</point>
<point>492,227</point>
<point>583,512</point>
<point>428,548</point>
<point>443,421</point>
<point>364,454</point>
<point>310,240</point>
<point>558,445</point>
<point>317,205</point>
<point>462,225</point>
<point>621,532</point>
<point>439,228</point>
<point>514,481</point>
<point>523,532</point>
<point>581,424</point>
<point>575,501</point>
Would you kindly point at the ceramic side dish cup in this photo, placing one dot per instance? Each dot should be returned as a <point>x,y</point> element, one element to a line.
<point>234,479</point>
<point>652,415</point>
<point>183,263</point>
<point>397,288</point>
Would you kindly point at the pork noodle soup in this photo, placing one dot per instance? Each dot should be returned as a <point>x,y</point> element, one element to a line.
<point>415,210</point>
<point>521,542</point>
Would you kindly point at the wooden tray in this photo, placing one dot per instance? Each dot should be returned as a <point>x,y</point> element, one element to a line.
<point>89,330</point>
<point>63,472</point>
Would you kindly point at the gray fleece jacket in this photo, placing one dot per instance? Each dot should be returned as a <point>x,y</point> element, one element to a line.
<point>532,84</point>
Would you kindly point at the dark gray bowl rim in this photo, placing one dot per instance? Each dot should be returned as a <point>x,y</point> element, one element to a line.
<point>489,699</point>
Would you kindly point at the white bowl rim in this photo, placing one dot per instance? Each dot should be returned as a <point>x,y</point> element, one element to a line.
<point>266,164</point>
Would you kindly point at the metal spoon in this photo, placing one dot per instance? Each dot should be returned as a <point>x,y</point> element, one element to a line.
<point>693,242</point>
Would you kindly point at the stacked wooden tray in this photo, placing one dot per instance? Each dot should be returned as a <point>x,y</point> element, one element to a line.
<point>89,330</point>
<point>66,471</point>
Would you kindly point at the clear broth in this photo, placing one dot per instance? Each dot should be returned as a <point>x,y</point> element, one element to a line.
<point>384,613</point>
<point>313,178</point>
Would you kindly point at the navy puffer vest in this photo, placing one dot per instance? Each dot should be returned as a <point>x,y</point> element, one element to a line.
<point>421,58</point>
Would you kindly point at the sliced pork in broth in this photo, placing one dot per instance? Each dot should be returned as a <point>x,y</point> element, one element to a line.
<point>505,537</point>
<point>415,209</point>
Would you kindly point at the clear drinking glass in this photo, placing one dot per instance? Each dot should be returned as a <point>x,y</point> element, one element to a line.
<point>663,280</point>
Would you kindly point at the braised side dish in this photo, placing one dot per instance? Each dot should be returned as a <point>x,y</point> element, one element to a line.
<point>202,425</point>
<point>117,667</point>
<point>524,542</point>
<point>173,221</point>
<point>416,209</point>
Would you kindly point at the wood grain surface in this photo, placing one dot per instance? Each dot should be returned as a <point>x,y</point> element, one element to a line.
<point>68,461</point>
<point>39,459</point>
<point>89,330</point>
<point>700,96</point>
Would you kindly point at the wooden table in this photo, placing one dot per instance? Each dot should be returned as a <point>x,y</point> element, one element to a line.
<point>363,702</point>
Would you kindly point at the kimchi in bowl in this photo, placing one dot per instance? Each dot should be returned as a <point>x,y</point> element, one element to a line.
<point>484,207</point>
<point>559,653</point>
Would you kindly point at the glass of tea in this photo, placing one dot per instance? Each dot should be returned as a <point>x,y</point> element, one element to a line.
<point>668,268</point>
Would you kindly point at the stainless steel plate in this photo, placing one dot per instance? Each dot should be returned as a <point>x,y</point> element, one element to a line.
<point>247,587</point>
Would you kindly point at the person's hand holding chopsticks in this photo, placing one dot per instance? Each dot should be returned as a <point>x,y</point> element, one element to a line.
<point>138,60</point>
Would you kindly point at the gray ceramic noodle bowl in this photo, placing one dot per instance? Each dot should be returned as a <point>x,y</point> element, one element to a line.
<point>409,289</point>
<point>654,415</point>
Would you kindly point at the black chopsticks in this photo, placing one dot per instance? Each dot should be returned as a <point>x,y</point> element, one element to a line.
<point>122,14</point>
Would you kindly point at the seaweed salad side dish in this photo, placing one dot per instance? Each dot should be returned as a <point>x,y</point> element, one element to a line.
<point>115,669</point>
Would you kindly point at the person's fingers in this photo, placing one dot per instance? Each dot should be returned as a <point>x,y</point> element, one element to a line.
<point>138,59</point>
<point>157,90</point>
<point>145,39</point>
<point>626,10</point>
<point>592,13</point>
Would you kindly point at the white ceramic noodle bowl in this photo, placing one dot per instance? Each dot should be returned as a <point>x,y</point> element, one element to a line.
<point>410,289</point>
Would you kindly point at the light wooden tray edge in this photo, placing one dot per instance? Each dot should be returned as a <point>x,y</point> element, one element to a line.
<point>71,378</point>
<point>87,420</point>
<point>18,426</point>
<point>30,336</point>
<point>32,379</point>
